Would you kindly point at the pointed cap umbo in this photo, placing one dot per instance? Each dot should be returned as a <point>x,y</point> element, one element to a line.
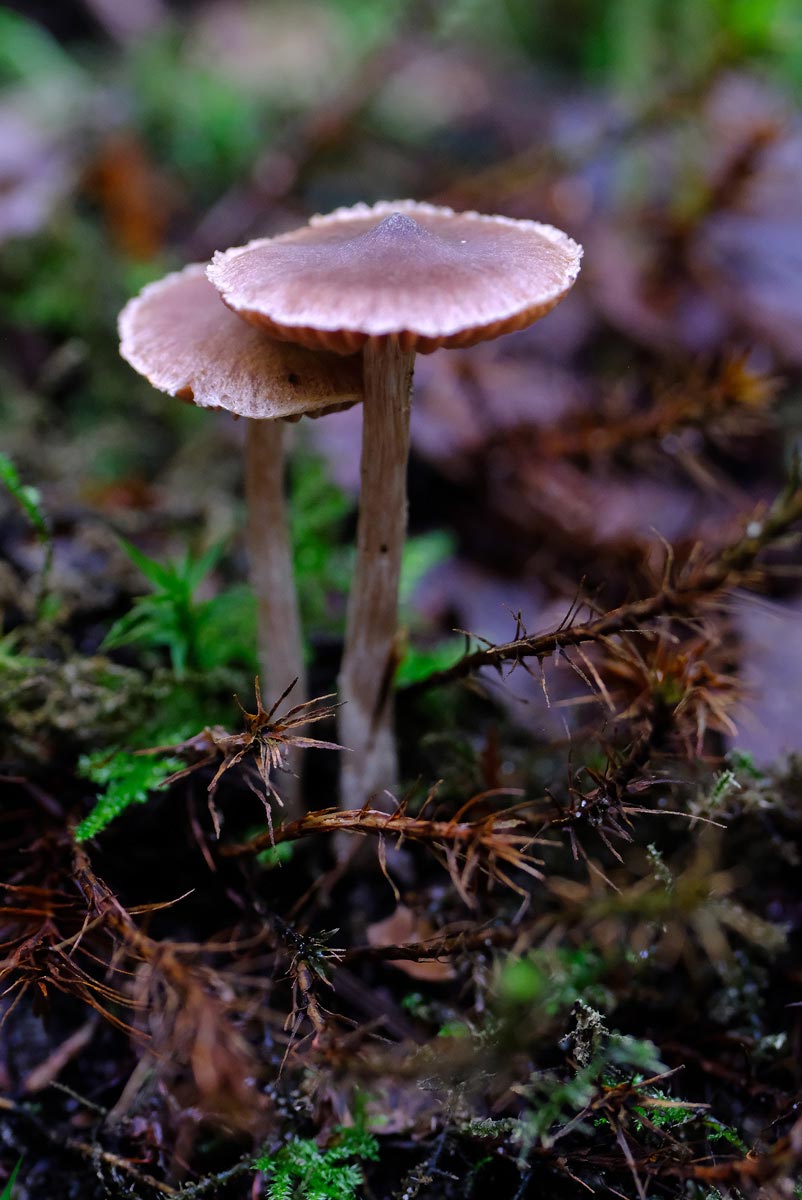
<point>423,276</point>
<point>183,339</point>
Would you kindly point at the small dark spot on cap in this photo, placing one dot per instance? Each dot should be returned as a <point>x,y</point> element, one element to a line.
<point>383,547</point>
<point>293,378</point>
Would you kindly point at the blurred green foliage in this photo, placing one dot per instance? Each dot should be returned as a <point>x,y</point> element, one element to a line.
<point>29,54</point>
<point>641,47</point>
<point>198,634</point>
<point>204,634</point>
<point>29,498</point>
<point>203,126</point>
<point>421,555</point>
<point>551,980</point>
<point>195,118</point>
<point>323,563</point>
<point>8,1190</point>
<point>41,277</point>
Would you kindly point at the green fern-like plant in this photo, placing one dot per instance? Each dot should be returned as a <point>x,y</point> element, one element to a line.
<point>555,1098</point>
<point>302,1171</point>
<point>125,779</point>
<point>201,635</point>
<point>198,634</point>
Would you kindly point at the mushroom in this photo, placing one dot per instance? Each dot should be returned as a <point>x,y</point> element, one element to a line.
<point>390,280</point>
<point>179,335</point>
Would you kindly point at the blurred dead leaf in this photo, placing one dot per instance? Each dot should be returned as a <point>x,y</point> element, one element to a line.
<point>401,927</point>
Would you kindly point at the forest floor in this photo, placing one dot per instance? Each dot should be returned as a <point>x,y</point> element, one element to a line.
<point>568,963</point>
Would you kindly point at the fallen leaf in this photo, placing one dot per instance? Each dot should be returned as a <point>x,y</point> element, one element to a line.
<point>400,928</point>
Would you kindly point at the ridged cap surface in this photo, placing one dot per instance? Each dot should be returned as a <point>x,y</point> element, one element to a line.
<point>186,342</point>
<point>425,276</point>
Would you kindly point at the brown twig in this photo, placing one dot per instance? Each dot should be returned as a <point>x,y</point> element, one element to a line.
<point>45,1072</point>
<point>93,1153</point>
<point>212,1183</point>
<point>728,570</point>
<point>435,948</point>
<point>498,842</point>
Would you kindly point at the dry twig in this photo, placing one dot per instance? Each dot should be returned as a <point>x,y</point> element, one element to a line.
<point>697,586</point>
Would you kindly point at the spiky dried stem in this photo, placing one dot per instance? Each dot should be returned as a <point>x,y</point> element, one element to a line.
<point>704,583</point>
<point>499,827</point>
<point>280,642</point>
<point>498,843</point>
<point>369,660</point>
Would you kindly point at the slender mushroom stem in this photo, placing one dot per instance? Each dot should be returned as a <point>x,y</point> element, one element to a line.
<point>280,645</point>
<point>369,660</point>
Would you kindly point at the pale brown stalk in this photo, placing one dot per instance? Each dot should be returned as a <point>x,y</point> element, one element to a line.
<point>280,642</point>
<point>370,657</point>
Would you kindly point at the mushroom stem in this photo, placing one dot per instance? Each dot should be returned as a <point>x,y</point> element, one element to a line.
<point>280,644</point>
<point>369,659</point>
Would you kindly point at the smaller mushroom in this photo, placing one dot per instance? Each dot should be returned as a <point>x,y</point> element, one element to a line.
<point>391,280</point>
<point>179,335</point>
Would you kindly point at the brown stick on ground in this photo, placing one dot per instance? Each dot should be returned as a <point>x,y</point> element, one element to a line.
<point>731,568</point>
<point>92,1152</point>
